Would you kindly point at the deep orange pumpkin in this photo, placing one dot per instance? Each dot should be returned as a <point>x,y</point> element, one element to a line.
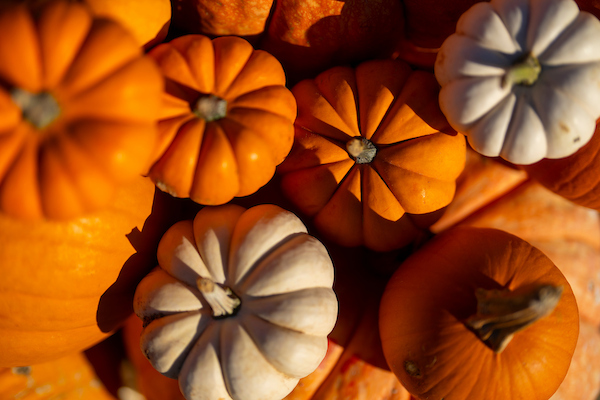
<point>449,312</point>
<point>227,119</point>
<point>404,170</point>
<point>68,284</point>
<point>78,105</point>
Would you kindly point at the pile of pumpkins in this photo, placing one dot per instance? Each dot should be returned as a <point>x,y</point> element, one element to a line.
<point>300,200</point>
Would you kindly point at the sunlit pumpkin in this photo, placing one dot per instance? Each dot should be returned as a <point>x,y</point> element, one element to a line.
<point>68,284</point>
<point>373,157</point>
<point>477,302</point>
<point>67,378</point>
<point>227,119</point>
<point>78,108</point>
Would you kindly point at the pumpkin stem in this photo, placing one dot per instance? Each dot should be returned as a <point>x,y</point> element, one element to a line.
<point>502,313</point>
<point>40,109</point>
<point>210,108</point>
<point>362,150</point>
<point>524,72</point>
<point>222,300</point>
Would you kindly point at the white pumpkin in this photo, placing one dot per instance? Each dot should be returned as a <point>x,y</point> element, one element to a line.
<point>240,305</point>
<point>521,78</point>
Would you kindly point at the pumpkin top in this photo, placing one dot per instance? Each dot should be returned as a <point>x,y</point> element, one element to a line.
<point>521,78</point>
<point>240,305</point>
<point>74,125</point>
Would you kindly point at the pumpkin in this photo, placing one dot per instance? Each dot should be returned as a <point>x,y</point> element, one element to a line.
<point>68,284</point>
<point>69,378</point>
<point>521,78</point>
<point>490,316</point>
<point>227,119</point>
<point>373,157</point>
<point>73,128</point>
<point>240,305</point>
<point>575,177</point>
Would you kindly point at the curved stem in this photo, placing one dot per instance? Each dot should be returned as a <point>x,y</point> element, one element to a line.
<point>210,107</point>
<point>40,109</point>
<point>502,313</point>
<point>222,300</point>
<point>362,150</point>
<point>524,72</point>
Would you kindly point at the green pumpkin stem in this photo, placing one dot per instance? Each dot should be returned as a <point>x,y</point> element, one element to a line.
<point>502,313</point>
<point>222,300</point>
<point>524,72</point>
<point>40,109</point>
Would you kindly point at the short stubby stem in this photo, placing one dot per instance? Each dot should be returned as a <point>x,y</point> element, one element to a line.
<point>502,313</point>
<point>40,109</point>
<point>221,299</point>
<point>524,72</point>
<point>362,150</point>
<point>210,107</point>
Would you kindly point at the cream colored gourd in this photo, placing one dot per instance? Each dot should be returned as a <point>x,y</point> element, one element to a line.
<point>521,78</point>
<point>240,305</point>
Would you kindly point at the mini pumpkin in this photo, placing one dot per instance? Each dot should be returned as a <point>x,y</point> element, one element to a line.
<point>78,106</point>
<point>227,119</point>
<point>240,305</point>
<point>373,157</point>
<point>68,378</point>
<point>479,313</point>
<point>521,78</point>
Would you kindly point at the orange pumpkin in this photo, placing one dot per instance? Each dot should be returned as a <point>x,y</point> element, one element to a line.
<point>577,177</point>
<point>68,378</point>
<point>227,119</point>
<point>68,284</point>
<point>373,157</point>
<point>479,313</point>
<point>73,126</point>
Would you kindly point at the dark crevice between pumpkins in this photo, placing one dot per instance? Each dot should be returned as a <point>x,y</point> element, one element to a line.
<point>502,313</point>
<point>40,109</point>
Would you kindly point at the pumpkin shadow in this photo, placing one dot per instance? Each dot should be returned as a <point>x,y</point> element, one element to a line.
<point>116,303</point>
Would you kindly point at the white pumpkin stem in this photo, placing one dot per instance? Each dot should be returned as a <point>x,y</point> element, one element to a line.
<point>40,109</point>
<point>362,150</point>
<point>524,72</point>
<point>222,301</point>
<point>502,313</point>
<point>210,108</point>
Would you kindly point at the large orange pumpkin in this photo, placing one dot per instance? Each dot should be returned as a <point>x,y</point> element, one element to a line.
<point>78,105</point>
<point>227,121</point>
<point>68,284</point>
<point>68,378</point>
<point>373,157</point>
<point>479,313</point>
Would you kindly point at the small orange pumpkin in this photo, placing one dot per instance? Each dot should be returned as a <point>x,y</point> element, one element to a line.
<point>227,121</point>
<point>69,378</point>
<point>73,125</point>
<point>479,313</point>
<point>373,157</point>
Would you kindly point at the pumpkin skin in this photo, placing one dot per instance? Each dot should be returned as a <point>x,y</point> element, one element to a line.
<point>521,78</point>
<point>428,345</point>
<point>576,177</point>
<point>68,284</point>
<point>101,131</point>
<point>256,349</point>
<point>227,119</point>
<point>69,378</point>
<point>384,203</point>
